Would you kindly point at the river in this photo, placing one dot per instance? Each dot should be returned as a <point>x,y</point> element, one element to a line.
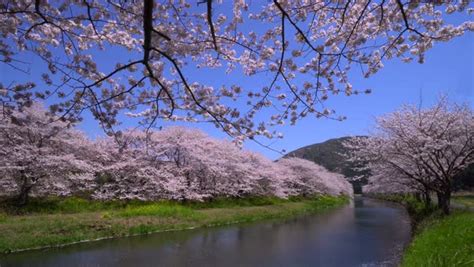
<point>365,233</point>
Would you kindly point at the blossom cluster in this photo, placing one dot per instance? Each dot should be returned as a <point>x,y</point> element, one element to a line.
<point>418,150</point>
<point>303,49</point>
<point>40,155</point>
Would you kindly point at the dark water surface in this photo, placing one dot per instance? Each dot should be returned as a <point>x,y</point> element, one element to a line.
<point>365,233</point>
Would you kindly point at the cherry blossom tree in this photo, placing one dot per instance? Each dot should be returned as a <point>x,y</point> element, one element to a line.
<point>308,178</point>
<point>305,49</point>
<point>424,148</point>
<point>208,167</point>
<point>175,163</point>
<point>42,155</point>
<point>183,164</point>
<point>204,167</point>
<point>131,170</point>
<point>386,180</point>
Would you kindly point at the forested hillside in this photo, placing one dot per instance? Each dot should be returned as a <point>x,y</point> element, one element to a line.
<point>330,155</point>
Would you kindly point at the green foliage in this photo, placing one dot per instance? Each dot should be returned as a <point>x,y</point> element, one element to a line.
<point>106,215</point>
<point>329,154</point>
<point>161,209</point>
<point>448,241</point>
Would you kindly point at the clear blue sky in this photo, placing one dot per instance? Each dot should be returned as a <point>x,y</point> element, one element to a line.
<point>448,69</point>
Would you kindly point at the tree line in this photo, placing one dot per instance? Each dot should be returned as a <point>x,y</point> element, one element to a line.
<point>42,155</point>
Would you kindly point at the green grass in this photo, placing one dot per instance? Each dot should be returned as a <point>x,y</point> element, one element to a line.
<point>439,240</point>
<point>157,209</point>
<point>239,202</point>
<point>55,222</point>
<point>53,205</point>
<point>446,241</point>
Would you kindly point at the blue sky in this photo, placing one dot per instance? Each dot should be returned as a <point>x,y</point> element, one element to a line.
<point>448,69</point>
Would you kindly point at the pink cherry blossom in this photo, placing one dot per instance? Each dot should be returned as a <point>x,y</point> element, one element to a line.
<point>420,150</point>
<point>305,49</point>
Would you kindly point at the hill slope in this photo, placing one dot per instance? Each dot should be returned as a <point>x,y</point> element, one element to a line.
<point>329,155</point>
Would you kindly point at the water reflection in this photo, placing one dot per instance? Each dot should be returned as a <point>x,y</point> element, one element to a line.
<point>366,233</point>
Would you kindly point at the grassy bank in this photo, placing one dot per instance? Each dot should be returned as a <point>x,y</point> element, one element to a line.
<point>55,222</point>
<point>438,240</point>
<point>443,241</point>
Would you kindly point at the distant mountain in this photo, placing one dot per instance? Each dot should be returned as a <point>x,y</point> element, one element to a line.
<point>329,154</point>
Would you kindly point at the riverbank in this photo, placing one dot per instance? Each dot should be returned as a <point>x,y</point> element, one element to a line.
<point>463,200</point>
<point>442,241</point>
<point>382,228</point>
<point>439,240</point>
<point>55,223</point>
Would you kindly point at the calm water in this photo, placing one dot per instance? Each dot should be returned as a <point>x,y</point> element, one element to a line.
<point>365,233</point>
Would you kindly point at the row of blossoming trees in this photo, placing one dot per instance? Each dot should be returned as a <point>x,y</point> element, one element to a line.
<point>41,155</point>
<point>419,151</point>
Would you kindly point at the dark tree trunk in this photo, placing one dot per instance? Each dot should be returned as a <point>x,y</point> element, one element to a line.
<point>188,179</point>
<point>444,199</point>
<point>418,196</point>
<point>427,198</point>
<point>23,196</point>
